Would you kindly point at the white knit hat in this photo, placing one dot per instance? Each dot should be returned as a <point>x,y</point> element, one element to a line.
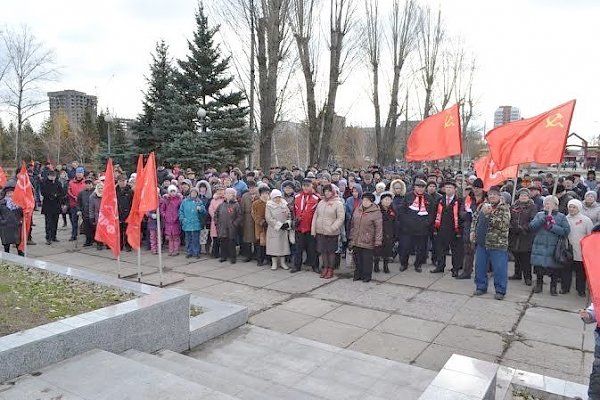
<point>576,203</point>
<point>172,188</point>
<point>275,193</point>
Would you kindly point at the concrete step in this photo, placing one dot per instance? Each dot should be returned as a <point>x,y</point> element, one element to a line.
<point>324,371</point>
<point>217,377</point>
<point>100,375</point>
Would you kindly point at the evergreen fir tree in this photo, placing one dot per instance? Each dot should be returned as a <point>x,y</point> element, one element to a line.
<point>203,82</point>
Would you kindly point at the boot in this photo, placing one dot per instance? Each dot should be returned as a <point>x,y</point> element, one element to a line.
<point>386,268</point>
<point>538,285</point>
<point>283,264</point>
<point>260,256</point>
<point>324,272</point>
<point>376,265</point>
<point>515,277</point>
<point>338,261</point>
<point>273,263</point>
<point>553,288</point>
<point>329,273</point>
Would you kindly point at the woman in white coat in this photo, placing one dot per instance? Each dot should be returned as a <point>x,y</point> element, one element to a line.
<point>278,217</point>
<point>581,226</point>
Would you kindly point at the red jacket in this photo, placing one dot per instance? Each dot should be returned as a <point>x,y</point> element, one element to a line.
<point>75,187</point>
<point>305,205</point>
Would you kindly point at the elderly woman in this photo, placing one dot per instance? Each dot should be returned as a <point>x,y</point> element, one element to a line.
<point>580,226</point>
<point>228,218</point>
<point>11,220</point>
<point>365,235</point>
<point>326,226</point>
<point>279,220</point>
<point>520,238</point>
<point>591,207</point>
<point>548,225</point>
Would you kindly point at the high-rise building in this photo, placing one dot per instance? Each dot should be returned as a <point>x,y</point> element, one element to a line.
<point>74,105</point>
<point>506,114</point>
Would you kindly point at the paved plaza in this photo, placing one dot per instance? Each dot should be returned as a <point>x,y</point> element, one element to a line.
<point>414,318</point>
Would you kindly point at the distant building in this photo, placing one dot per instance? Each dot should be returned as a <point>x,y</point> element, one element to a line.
<point>74,105</point>
<point>506,114</point>
<point>126,125</point>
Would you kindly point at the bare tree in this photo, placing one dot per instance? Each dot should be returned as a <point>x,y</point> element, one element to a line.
<point>431,36</point>
<point>373,33</point>
<point>29,64</point>
<point>452,68</point>
<point>340,24</point>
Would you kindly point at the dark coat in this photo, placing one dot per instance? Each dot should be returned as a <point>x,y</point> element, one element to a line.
<point>447,223</point>
<point>520,237</point>
<point>228,219</point>
<point>83,202</point>
<point>544,242</point>
<point>54,196</point>
<point>10,224</point>
<point>248,234</point>
<point>414,224</point>
<point>388,218</point>
<point>124,200</point>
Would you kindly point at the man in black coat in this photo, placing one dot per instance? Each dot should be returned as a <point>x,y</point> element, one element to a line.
<point>53,194</point>
<point>448,229</point>
<point>124,200</point>
<point>83,203</point>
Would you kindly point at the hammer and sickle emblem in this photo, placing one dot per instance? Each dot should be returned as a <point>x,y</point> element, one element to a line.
<point>554,121</point>
<point>449,121</point>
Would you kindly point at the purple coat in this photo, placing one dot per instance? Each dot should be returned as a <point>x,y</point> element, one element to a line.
<point>169,212</point>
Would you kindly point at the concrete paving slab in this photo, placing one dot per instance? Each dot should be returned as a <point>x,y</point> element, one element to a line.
<point>168,278</point>
<point>281,320</point>
<point>565,319</point>
<point>412,278</point>
<point>386,297</point>
<point>567,302</point>
<point>546,355</point>
<point>194,283</point>
<point>471,339</point>
<point>331,332</point>
<point>554,373</point>
<point>310,306</point>
<point>357,316</point>
<point>301,282</point>
<point>195,268</point>
<point>389,346</point>
<point>488,314</point>
<point>435,356</point>
<point>256,299</point>
<point>225,273</point>
<point>262,278</point>
<point>548,333</point>
<point>435,306</point>
<point>343,290</point>
<point>409,327</point>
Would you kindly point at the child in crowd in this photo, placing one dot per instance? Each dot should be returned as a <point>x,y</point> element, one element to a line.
<point>169,212</point>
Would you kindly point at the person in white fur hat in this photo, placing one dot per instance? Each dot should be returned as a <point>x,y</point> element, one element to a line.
<point>279,220</point>
<point>581,226</point>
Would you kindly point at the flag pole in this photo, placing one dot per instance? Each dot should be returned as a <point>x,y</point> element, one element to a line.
<point>24,237</point>
<point>556,180</point>
<point>139,263</point>
<point>119,266</point>
<point>159,244</point>
<point>514,193</point>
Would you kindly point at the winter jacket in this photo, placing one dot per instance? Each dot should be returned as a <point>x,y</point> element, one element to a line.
<point>388,218</point>
<point>592,212</point>
<point>367,187</point>
<point>10,224</point>
<point>448,224</point>
<point>367,227</point>
<point>169,214</point>
<point>580,226</point>
<point>212,209</point>
<point>276,214</point>
<point>204,183</point>
<point>191,214</point>
<point>351,205</point>
<point>228,218</point>
<point>240,188</point>
<point>94,207</point>
<point>53,194</point>
<point>563,203</point>
<point>412,222</point>
<point>258,216</point>
<point>544,242</point>
<point>248,235</point>
<point>329,217</point>
<point>305,205</point>
<point>539,202</point>
<point>83,202</point>
<point>124,200</point>
<point>520,237</point>
<point>75,187</point>
<point>496,237</point>
<point>402,185</point>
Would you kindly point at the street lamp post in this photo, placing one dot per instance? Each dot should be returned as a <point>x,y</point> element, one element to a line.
<point>201,113</point>
<point>109,120</point>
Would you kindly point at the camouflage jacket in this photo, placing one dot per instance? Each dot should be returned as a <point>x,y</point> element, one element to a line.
<point>499,223</point>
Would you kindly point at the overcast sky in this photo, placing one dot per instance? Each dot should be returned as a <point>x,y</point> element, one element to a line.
<point>533,54</point>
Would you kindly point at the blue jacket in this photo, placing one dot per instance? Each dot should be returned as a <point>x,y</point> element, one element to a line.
<point>544,242</point>
<point>191,214</point>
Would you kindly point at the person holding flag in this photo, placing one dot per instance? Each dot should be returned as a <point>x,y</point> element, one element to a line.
<point>11,220</point>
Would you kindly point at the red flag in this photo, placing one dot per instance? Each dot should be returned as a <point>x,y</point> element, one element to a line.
<point>134,220</point>
<point>541,139</point>
<point>591,262</point>
<point>23,197</point>
<point>3,179</point>
<point>149,192</point>
<point>490,175</point>
<point>108,230</point>
<point>436,137</point>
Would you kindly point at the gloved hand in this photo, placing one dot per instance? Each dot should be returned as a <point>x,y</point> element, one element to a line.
<point>285,226</point>
<point>153,215</point>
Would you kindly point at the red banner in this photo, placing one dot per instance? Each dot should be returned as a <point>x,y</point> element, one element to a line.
<point>108,230</point>
<point>134,220</point>
<point>436,137</point>
<point>3,179</point>
<point>490,175</point>
<point>149,187</point>
<point>591,262</point>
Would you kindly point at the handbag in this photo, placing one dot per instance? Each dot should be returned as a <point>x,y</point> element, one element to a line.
<point>563,252</point>
<point>204,236</point>
<point>350,262</point>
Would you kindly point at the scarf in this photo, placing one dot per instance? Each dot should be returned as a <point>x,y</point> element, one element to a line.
<point>438,216</point>
<point>468,203</point>
<point>10,204</point>
<point>419,205</point>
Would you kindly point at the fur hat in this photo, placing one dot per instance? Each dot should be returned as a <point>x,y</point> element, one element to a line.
<point>172,188</point>
<point>576,203</point>
<point>369,196</point>
<point>275,193</point>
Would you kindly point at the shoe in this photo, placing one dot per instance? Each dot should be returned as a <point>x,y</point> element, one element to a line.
<point>386,267</point>
<point>538,287</point>
<point>365,280</point>
<point>478,292</point>
<point>463,276</point>
<point>418,268</point>
<point>454,273</point>
<point>581,294</point>
<point>294,270</point>
<point>55,240</point>
<point>356,278</point>
<point>403,267</point>
<point>316,270</point>
<point>553,290</point>
<point>324,272</point>
<point>233,261</point>
<point>273,264</point>
<point>31,243</point>
<point>72,239</point>
<point>528,281</point>
<point>48,242</point>
<point>260,263</point>
<point>284,265</point>
<point>499,296</point>
<point>514,277</point>
<point>247,259</point>
<point>438,270</point>
<point>87,244</point>
<point>188,256</point>
<point>98,247</point>
<point>329,273</point>
<point>222,259</point>
<point>564,291</point>
<point>128,249</point>
<point>197,257</point>
<point>376,266</point>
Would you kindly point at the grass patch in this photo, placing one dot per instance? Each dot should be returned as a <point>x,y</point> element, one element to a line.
<point>195,311</point>
<point>31,297</point>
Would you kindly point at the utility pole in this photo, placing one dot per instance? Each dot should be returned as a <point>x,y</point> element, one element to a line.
<point>252,78</point>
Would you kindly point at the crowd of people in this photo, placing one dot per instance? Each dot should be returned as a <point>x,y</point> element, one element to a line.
<point>320,218</point>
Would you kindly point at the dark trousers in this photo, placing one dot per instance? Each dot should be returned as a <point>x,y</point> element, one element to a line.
<point>89,230</point>
<point>215,250</point>
<point>305,242</point>
<point>567,276</point>
<point>74,221</point>
<point>228,249</point>
<point>457,249</point>
<point>7,249</point>
<point>553,273</point>
<point>469,258</point>
<point>123,233</point>
<point>51,225</point>
<point>364,263</point>
<point>594,388</point>
<point>417,242</point>
<point>522,264</point>
<point>247,250</point>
